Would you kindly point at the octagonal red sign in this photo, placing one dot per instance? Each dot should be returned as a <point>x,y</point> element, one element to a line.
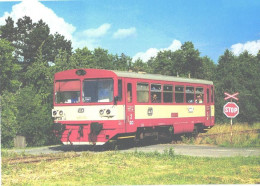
<point>231,110</point>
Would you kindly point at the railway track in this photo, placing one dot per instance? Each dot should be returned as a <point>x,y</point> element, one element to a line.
<point>35,159</point>
<point>62,152</point>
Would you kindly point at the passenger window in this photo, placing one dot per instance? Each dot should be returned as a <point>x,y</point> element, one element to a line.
<point>179,94</point>
<point>167,94</point>
<point>207,95</point>
<point>142,92</point>
<point>156,93</point>
<point>212,95</point>
<point>189,94</point>
<point>199,95</point>
<point>129,92</point>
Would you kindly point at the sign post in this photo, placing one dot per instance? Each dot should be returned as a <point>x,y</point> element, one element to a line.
<point>231,109</point>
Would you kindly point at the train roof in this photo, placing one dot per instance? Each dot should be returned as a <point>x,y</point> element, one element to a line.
<point>160,77</point>
<point>102,73</point>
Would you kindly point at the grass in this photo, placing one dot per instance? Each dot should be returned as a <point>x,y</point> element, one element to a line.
<point>137,168</point>
<point>238,139</point>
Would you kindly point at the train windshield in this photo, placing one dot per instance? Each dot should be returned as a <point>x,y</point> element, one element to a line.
<point>97,90</point>
<point>67,91</point>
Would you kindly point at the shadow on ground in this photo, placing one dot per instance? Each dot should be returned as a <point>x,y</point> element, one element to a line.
<point>119,145</point>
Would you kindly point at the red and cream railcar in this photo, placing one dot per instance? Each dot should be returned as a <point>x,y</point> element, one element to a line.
<point>93,106</point>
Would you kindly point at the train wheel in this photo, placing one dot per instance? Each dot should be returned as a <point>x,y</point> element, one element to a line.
<point>112,145</point>
<point>195,132</point>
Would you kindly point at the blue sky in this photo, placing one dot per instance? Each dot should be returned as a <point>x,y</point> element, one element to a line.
<point>141,28</point>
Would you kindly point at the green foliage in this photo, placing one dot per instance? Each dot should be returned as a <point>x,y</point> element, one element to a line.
<point>9,125</point>
<point>139,66</point>
<point>223,136</point>
<point>184,62</point>
<point>35,122</point>
<point>9,69</point>
<point>239,74</point>
<point>27,37</point>
<point>122,63</point>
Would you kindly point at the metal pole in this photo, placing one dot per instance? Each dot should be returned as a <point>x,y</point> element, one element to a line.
<point>231,123</point>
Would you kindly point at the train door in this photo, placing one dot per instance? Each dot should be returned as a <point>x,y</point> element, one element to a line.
<point>129,106</point>
<point>208,107</point>
<point>212,106</point>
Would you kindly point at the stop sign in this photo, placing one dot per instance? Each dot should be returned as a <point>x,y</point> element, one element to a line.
<point>231,110</point>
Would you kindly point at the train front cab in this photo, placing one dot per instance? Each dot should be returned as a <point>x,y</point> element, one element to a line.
<point>87,109</point>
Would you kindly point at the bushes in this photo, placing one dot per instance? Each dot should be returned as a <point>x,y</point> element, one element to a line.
<point>35,122</point>
<point>25,114</point>
<point>222,136</point>
<point>9,126</point>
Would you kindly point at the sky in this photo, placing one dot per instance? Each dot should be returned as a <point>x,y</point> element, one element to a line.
<point>142,28</point>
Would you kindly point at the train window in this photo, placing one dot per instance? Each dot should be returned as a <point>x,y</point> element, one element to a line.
<point>212,95</point>
<point>142,92</point>
<point>167,94</point>
<point>189,94</point>
<point>207,95</point>
<point>179,94</point>
<point>199,95</point>
<point>129,92</point>
<point>120,90</point>
<point>67,91</point>
<point>98,90</point>
<point>156,93</point>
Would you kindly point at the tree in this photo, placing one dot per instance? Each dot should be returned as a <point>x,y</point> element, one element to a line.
<point>9,69</point>
<point>248,87</point>
<point>208,69</point>
<point>239,74</point>
<point>8,31</point>
<point>193,62</point>
<point>82,58</point>
<point>34,118</point>
<point>39,77</point>
<point>139,66</point>
<point>27,37</point>
<point>102,59</point>
<point>9,111</point>
<point>121,62</point>
<point>224,82</point>
<point>162,63</point>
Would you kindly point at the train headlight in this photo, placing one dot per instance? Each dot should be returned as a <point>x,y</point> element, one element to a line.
<point>61,112</point>
<point>101,112</point>
<point>108,111</point>
<point>54,113</point>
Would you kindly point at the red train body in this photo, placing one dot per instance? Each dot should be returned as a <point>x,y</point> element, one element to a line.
<point>94,106</point>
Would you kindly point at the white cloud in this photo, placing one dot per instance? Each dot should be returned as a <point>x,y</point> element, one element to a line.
<point>123,33</point>
<point>79,42</point>
<point>152,52</point>
<point>90,38</point>
<point>36,11</point>
<point>97,32</point>
<point>251,46</point>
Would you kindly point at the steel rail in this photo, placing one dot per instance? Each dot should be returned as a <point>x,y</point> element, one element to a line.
<point>35,159</point>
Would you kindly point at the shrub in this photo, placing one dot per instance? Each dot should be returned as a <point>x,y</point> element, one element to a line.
<point>9,124</point>
<point>35,122</point>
